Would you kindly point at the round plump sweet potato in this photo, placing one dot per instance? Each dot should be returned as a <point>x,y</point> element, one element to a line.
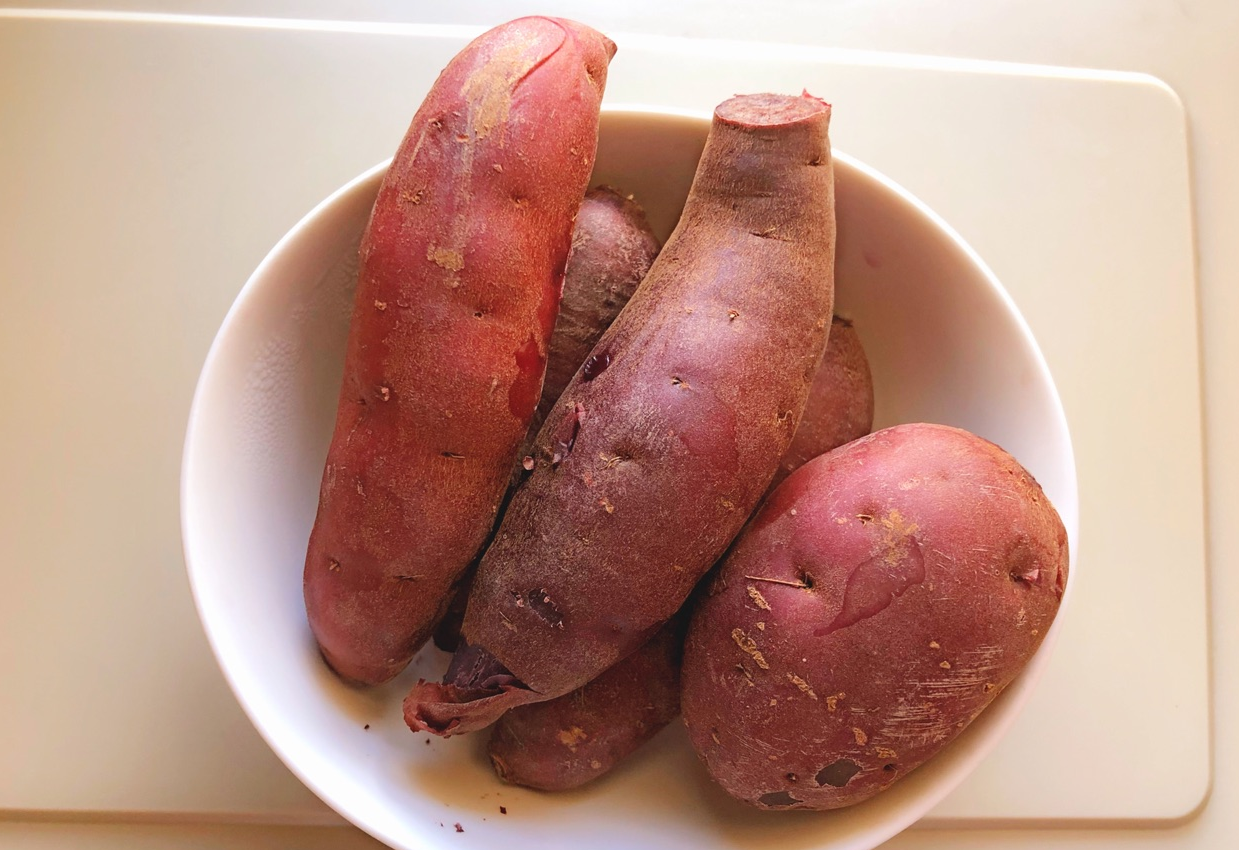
<point>885,594</point>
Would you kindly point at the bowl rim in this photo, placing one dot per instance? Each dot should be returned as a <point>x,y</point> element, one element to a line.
<point>903,814</point>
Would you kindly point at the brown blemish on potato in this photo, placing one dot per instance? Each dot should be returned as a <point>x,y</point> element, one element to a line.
<point>933,644</point>
<point>452,455</point>
<point>885,753</point>
<point>758,599</point>
<point>988,687</point>
<point>488,89</point>
<point>445,258</point>
<point>832,702</point>
<point>859,735</point>
<point>498,168</point>
<point>385,393</point>
<point>837,773</point>
<point>413,197</point>
<point>572,738</point>
<point>333,566</point>
<point>732,315</point>
<point>802,685</point>
<point>761,627</point>
<point>945,665</point>
<point>749,646</point>
<point>606,505</point>
<point>677,381</point>
<point>380,305</point>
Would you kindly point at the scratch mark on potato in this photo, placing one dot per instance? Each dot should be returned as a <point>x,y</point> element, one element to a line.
<point>749,645</point>
<point>802,685</point>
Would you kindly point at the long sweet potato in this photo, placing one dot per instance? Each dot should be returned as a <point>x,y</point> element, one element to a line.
<point>664,441</point>
<point>461,267</point>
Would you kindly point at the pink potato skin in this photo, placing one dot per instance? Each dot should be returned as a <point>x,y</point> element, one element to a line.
<point>572,740</point>
<point>885,594</point>
<point>461,266</point>
<point>655,455</point>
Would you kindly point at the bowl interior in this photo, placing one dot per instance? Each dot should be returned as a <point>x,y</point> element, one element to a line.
<point>946,345</point>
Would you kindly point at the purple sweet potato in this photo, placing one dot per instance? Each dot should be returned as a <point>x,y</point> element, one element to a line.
<point>612,249</point>
<point>884,595</point>
<point>667,437</point>
<point>458,289</point>
<point>576,738</point>
<point>840,405</point>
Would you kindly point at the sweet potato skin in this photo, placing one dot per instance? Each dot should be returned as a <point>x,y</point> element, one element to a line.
<point>656,454</point>
<point>578,737</point>
<point>840,405</point>
<point>460,272</point>
<point>879,601</point>
<point>613,248</point>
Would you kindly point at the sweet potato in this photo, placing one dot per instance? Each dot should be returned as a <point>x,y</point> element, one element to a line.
<point>612,249</point>
<point>666,438</point>
<point>578,737</point>
<point>840,405</point>
<point>458,288</point>
<point>882,597</point>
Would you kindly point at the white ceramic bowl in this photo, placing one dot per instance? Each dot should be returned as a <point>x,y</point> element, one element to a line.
<point>946,345</point>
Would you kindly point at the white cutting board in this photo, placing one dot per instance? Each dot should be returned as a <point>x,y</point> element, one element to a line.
<point>147,165</point>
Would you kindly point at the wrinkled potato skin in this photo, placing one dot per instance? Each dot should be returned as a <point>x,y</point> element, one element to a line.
<point>840,405</point>
<point>461,266</point>
<point>652,460</point>
<point>578,737</point>
<point>934,566</point>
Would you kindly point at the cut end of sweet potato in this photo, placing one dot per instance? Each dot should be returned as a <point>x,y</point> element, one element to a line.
<point>770,110</point>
